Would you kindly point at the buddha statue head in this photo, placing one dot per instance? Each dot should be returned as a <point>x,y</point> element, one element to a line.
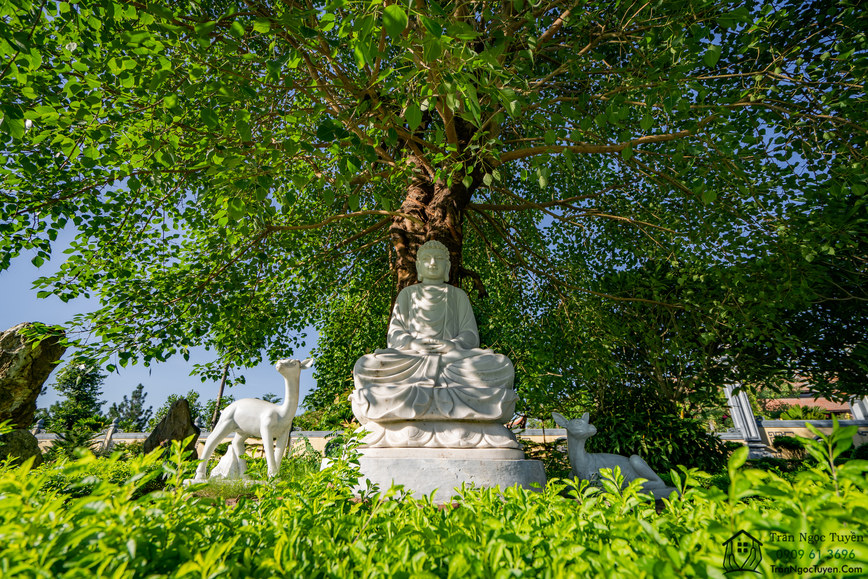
<point>432,262</point>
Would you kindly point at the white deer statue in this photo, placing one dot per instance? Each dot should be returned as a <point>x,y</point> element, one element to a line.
<point>255,418</point>
<point>586,466</point>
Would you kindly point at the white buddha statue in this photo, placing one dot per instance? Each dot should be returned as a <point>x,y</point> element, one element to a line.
<point>433,369</point>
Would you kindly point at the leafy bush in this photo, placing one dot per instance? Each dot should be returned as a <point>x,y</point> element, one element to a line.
<point>804,413</point>
<point>81,477</point>
<point>790,445</point>
<point>660,436</point>
<point>314,528</point>
<point>860,452</point>
<point>341,443</point>
<point>300,461</point>
<point>68,442</point>
<point>129,450</point>
<point>553,455</point>
<point>334,417</point>
<point>775,412</point>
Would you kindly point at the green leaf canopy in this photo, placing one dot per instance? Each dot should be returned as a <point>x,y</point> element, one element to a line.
<point>235,170</point>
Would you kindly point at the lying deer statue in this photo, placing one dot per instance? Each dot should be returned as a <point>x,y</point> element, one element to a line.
<point>586,466</point>
<point>255,418</point>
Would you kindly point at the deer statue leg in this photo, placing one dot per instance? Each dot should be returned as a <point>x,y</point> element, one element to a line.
<point>220,432</point>
<point>238,444</point>
<point>280,448</point>
<point>268,449</point>
<point>644,471</point>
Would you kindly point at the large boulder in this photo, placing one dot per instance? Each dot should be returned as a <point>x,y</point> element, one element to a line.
<point>177,425</point>
<point>20,444</point>
<point>24,367</point>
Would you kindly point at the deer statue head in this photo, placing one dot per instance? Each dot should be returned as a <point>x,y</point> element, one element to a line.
<point>293,366</point>
<point>578,427</point>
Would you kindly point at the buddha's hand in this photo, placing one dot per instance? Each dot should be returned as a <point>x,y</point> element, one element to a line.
<point>432,346</point>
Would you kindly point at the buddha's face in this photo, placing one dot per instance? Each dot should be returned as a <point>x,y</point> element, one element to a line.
<point>432,266</point>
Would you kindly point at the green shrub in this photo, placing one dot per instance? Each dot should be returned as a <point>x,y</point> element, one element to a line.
<point>314,528</point>
<point>553,455</point>
<point>220,450</point>
<point>860,453</point>
<point>790,445</point>
<point>639,420</point>
<point>68,443</point>
<point>804,413</point>
<point>663,440</point>
<point>129,450</point>
<point>339,443</point>
<point>300,461</point>
<point>775,413</point>
<point>79,478</point>
<point>781,467</point>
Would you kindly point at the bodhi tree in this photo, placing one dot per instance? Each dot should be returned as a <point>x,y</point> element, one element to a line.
<point>238,170</point>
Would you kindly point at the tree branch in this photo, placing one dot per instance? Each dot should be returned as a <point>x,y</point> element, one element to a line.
<point>587,148</point>
<point>328,220</point>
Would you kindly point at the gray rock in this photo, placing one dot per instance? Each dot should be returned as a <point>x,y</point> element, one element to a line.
<point>22,444</point>
<point>23,370</point>
<point>177,425</point>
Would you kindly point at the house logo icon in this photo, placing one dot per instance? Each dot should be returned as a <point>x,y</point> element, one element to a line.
<point>742,553</point>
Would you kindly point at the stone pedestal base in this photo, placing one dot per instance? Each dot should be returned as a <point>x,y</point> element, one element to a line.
<point>426,470</point>
<point>439,434</point>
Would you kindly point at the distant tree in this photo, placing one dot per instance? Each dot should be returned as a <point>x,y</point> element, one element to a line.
<point>131,412</point>
<point>82,408</point>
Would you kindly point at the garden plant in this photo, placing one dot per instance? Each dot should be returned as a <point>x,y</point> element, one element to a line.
<point>99,517</point>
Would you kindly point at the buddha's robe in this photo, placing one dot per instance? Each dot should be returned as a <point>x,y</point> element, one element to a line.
<point>398,383</point>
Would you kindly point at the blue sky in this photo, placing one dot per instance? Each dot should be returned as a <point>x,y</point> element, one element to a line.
<point>20,304</point>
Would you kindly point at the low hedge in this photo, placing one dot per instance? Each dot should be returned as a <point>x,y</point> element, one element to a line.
<point>314,527</point>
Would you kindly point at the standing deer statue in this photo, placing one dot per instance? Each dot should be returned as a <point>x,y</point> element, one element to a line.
<point>586,466</point>
<point>255,418</point>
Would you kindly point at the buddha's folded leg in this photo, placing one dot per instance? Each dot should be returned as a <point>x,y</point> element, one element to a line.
<point>485,369</point>
<point>388,367</point>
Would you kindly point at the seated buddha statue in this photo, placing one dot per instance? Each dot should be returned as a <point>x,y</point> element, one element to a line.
<point>433,368</point>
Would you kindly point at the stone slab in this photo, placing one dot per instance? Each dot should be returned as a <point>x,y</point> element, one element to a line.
<point>423,476</point>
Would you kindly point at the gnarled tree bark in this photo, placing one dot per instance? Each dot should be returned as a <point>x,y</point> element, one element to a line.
<point>440,206</point>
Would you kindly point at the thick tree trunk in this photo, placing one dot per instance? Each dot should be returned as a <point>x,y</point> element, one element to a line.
<point>407,235</point>
<point>440,207</point>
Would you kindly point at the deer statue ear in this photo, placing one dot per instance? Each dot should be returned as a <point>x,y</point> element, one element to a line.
<point>559,420</point>
<point>585,417</point>
<point>306,363</point>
